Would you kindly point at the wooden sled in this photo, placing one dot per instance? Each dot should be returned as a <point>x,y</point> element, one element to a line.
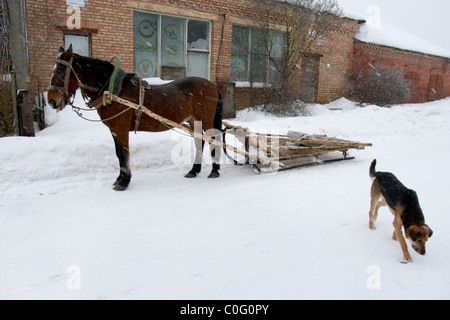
<point>264,152</point>
<point>294,150</point>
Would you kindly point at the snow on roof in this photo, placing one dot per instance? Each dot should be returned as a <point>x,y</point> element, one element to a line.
<point>353,15</point>
<point>385,34</point>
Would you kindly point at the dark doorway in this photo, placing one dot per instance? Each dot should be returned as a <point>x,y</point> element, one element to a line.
<point>310,79</point>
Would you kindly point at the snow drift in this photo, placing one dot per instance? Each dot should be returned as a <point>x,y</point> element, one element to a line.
<point>302,234</point>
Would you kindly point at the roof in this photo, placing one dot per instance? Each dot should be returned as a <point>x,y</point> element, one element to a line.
<point>388,35</point>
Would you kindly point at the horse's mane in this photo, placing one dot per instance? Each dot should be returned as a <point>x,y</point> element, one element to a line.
<point>100,69</point>
<point>93,64</point>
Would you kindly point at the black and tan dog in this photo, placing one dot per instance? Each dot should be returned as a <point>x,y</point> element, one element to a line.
<point>387,190</point>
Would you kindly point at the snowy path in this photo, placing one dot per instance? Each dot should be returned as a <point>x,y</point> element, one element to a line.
<point>301,234</point>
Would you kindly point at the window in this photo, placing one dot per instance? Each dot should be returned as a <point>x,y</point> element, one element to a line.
<point>170,47</point>
<point>240,54</point>
<point>255,54</point>
<point>80,44</point>
<point>198,49</point>
<point>146,61</point>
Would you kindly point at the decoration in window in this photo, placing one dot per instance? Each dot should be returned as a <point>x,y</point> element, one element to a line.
<point>147,28</point>
<point>170,47</point>
<point>172,30</point>
<point>146,68</point>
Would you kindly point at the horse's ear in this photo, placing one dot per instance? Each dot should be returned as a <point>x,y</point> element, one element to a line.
<point>61,50</point>
<point>69,51</point>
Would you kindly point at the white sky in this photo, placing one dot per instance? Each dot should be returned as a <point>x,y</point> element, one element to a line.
<point>429,20</point>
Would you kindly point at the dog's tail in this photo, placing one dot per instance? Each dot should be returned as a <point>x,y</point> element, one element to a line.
<point>372,170</point>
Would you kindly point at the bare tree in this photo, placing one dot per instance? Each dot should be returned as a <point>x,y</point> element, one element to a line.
<point>6,109</point>
<point>381,86</point>
<point>301,24</point>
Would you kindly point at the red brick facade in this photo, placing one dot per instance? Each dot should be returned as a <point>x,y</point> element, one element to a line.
<point>109,25</point>
<point>429,75</point>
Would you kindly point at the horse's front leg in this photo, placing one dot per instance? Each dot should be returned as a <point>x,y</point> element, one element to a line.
<point>123,154</point>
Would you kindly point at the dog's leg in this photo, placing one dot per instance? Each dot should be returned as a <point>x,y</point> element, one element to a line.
<point>398,232</point>
<point>394,236</point>
<point>376,201</point>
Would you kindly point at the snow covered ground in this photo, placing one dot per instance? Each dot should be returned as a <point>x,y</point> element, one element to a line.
<point>301,234</point>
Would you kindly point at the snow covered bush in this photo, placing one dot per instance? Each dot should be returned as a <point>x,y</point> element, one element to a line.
<point>294,109</point>
<point>381,86</point>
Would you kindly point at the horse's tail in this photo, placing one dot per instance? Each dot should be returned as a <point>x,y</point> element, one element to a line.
<point>219,113</point>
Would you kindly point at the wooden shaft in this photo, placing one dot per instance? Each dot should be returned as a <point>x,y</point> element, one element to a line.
<point>109,97</point>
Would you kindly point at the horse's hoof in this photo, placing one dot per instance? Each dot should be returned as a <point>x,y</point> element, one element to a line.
<point>191,174</point>
<point>214,174</point>
<point>118,187</point>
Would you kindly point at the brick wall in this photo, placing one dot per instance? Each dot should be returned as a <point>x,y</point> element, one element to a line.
<point>421,66</point>
<point>336,63</point>
<point>109,23</point>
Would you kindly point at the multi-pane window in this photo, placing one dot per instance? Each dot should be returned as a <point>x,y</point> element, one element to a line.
<point>256,54</point>
<point>170,47</point>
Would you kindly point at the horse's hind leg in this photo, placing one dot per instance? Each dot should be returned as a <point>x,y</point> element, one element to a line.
<point>123,154</point>
<point>197,167</point>
<point>216,166</point>
<point>215,154</point>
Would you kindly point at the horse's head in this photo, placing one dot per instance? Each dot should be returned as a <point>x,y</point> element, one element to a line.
<point>64,82</point>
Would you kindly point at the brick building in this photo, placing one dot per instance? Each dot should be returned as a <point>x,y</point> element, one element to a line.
<point>176,38</point>
<point>425,66</point>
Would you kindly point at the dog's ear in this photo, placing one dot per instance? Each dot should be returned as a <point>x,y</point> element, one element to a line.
<point>428,229</point>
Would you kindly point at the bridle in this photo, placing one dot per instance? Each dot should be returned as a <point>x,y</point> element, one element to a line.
<point>65,88</point>
<point>94,103</point>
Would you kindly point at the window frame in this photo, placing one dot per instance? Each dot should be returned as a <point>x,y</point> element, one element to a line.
<point>159,17</point>
<point>251,54</point>
<point>80,34</point>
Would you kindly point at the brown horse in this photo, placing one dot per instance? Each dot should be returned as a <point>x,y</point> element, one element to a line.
<point>189,99</point>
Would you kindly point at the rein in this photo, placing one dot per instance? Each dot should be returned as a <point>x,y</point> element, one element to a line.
<point>77,111</point>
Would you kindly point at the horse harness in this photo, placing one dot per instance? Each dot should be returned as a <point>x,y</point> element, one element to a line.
<point>69,68</point>
<point>114,82</point>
